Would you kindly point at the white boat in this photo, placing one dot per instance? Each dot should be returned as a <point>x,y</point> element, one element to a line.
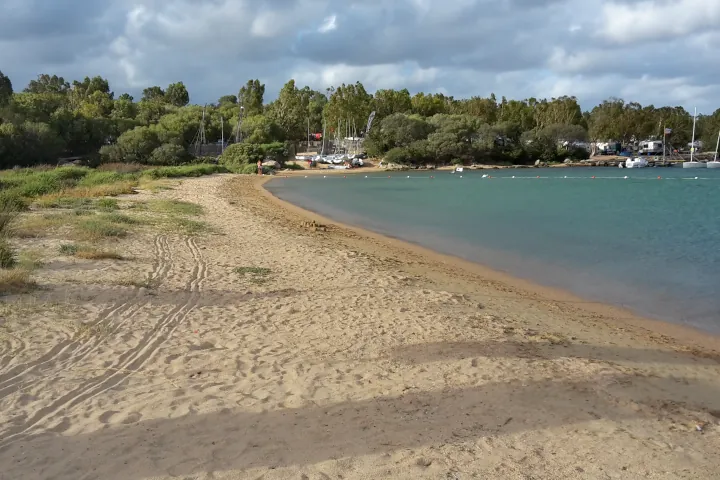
<point>459,169</point>
<point>715,163</point>
<point>637,162</point>
<point>694,163</point>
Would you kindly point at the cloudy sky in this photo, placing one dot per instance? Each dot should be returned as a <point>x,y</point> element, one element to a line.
<point>651,51</point>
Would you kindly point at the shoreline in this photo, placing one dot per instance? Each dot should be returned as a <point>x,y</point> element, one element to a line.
<point>613,315</point>
<point>265,346</point>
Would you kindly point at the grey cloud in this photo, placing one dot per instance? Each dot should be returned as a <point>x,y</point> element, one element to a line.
<point>516,48</point>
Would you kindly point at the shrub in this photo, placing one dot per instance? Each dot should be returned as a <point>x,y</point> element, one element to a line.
<point>250,169</point>
<point>169,154</point>
<point>204,159</point>
<point>184,171</point>
<point>15,280</point>
<point>103,178</point>
<point>120,167</point>
<point>8,213</point>
<point>398,155</point>
<point>11,200</point>
<point>239,154</point>
<point>294,166</point>
<point>7,254</point>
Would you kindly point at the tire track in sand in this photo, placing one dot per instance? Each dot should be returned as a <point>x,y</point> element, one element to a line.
<point>70,352</point>
<point>130,361</point>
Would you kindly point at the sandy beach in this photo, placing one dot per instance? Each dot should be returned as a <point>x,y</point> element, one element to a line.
<point>272,347</point>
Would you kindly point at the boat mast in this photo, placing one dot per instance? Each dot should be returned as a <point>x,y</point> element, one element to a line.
<point>692,145</point>
<point>717,145</point>
<point>322,149</point>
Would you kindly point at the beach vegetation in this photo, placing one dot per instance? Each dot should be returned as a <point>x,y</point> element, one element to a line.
<point>256,275</point>
<point>53,120</point>
<point>88,252</point>
<point>15,280</point>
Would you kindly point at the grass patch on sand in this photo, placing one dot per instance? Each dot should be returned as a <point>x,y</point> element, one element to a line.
<point>197,170</point>
<point>97,229</point>
<point>137,283</point>
<point>48,185</point>
<point>188,226</point>
<point>120,218</point>
<point>107,204</point>
<point>88,253</point>
<point>256,275</point>
<point>35,226</point>
<point>30,259</point>
<point>174,207</point>
<point>15,280</point>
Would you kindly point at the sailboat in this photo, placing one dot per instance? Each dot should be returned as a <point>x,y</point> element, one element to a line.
<point>693,163</point>
<point>715,163</point>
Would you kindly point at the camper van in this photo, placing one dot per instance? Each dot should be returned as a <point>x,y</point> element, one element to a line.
<point>651,147</point>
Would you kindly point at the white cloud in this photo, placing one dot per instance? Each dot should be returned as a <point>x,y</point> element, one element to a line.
<point>329,24</point>
<point>658,20</point>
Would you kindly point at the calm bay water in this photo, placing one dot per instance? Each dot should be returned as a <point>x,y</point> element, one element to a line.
<point>647,244</point>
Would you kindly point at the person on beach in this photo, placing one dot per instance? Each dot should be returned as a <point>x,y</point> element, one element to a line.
<point>260,167</point>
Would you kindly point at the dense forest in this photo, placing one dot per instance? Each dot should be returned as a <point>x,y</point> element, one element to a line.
<point>52,118</point>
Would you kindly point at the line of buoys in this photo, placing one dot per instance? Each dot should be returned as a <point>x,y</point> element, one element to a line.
<point>593,177</point>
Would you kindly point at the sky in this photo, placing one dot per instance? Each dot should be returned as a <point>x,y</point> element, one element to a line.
<point>661,52</point>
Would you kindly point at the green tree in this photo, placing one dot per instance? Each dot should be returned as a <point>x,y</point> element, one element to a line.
<point>6,90</point>
<point>225,99</point>
<point>397,130</point>
<point>153,94</point>
<point>28,144</point>
<point>260,129</point>
<point>251,96</point>
<point>388,102</point>
<point>429,105</point>
<point>48,84</point>
<point>486,109</point>
<point>348,109</point>
<point>36,107</point>
<point>176,94</point>
<point>124,107</point>
<point>289,112</point>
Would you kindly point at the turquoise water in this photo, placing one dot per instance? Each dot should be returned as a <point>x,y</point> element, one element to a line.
<point>645,243</point>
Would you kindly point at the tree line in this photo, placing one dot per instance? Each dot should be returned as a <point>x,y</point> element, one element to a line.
<point>52,117</point>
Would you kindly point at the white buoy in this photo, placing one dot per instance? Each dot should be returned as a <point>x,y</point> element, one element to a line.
<point>324,176</point>
<point>625,176</point>
<point>513,176</point>
<point>695,178</point>
<point>365,176</point>
<point>565,176</point>
<point>408,176</point>
<point>460,176</point>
